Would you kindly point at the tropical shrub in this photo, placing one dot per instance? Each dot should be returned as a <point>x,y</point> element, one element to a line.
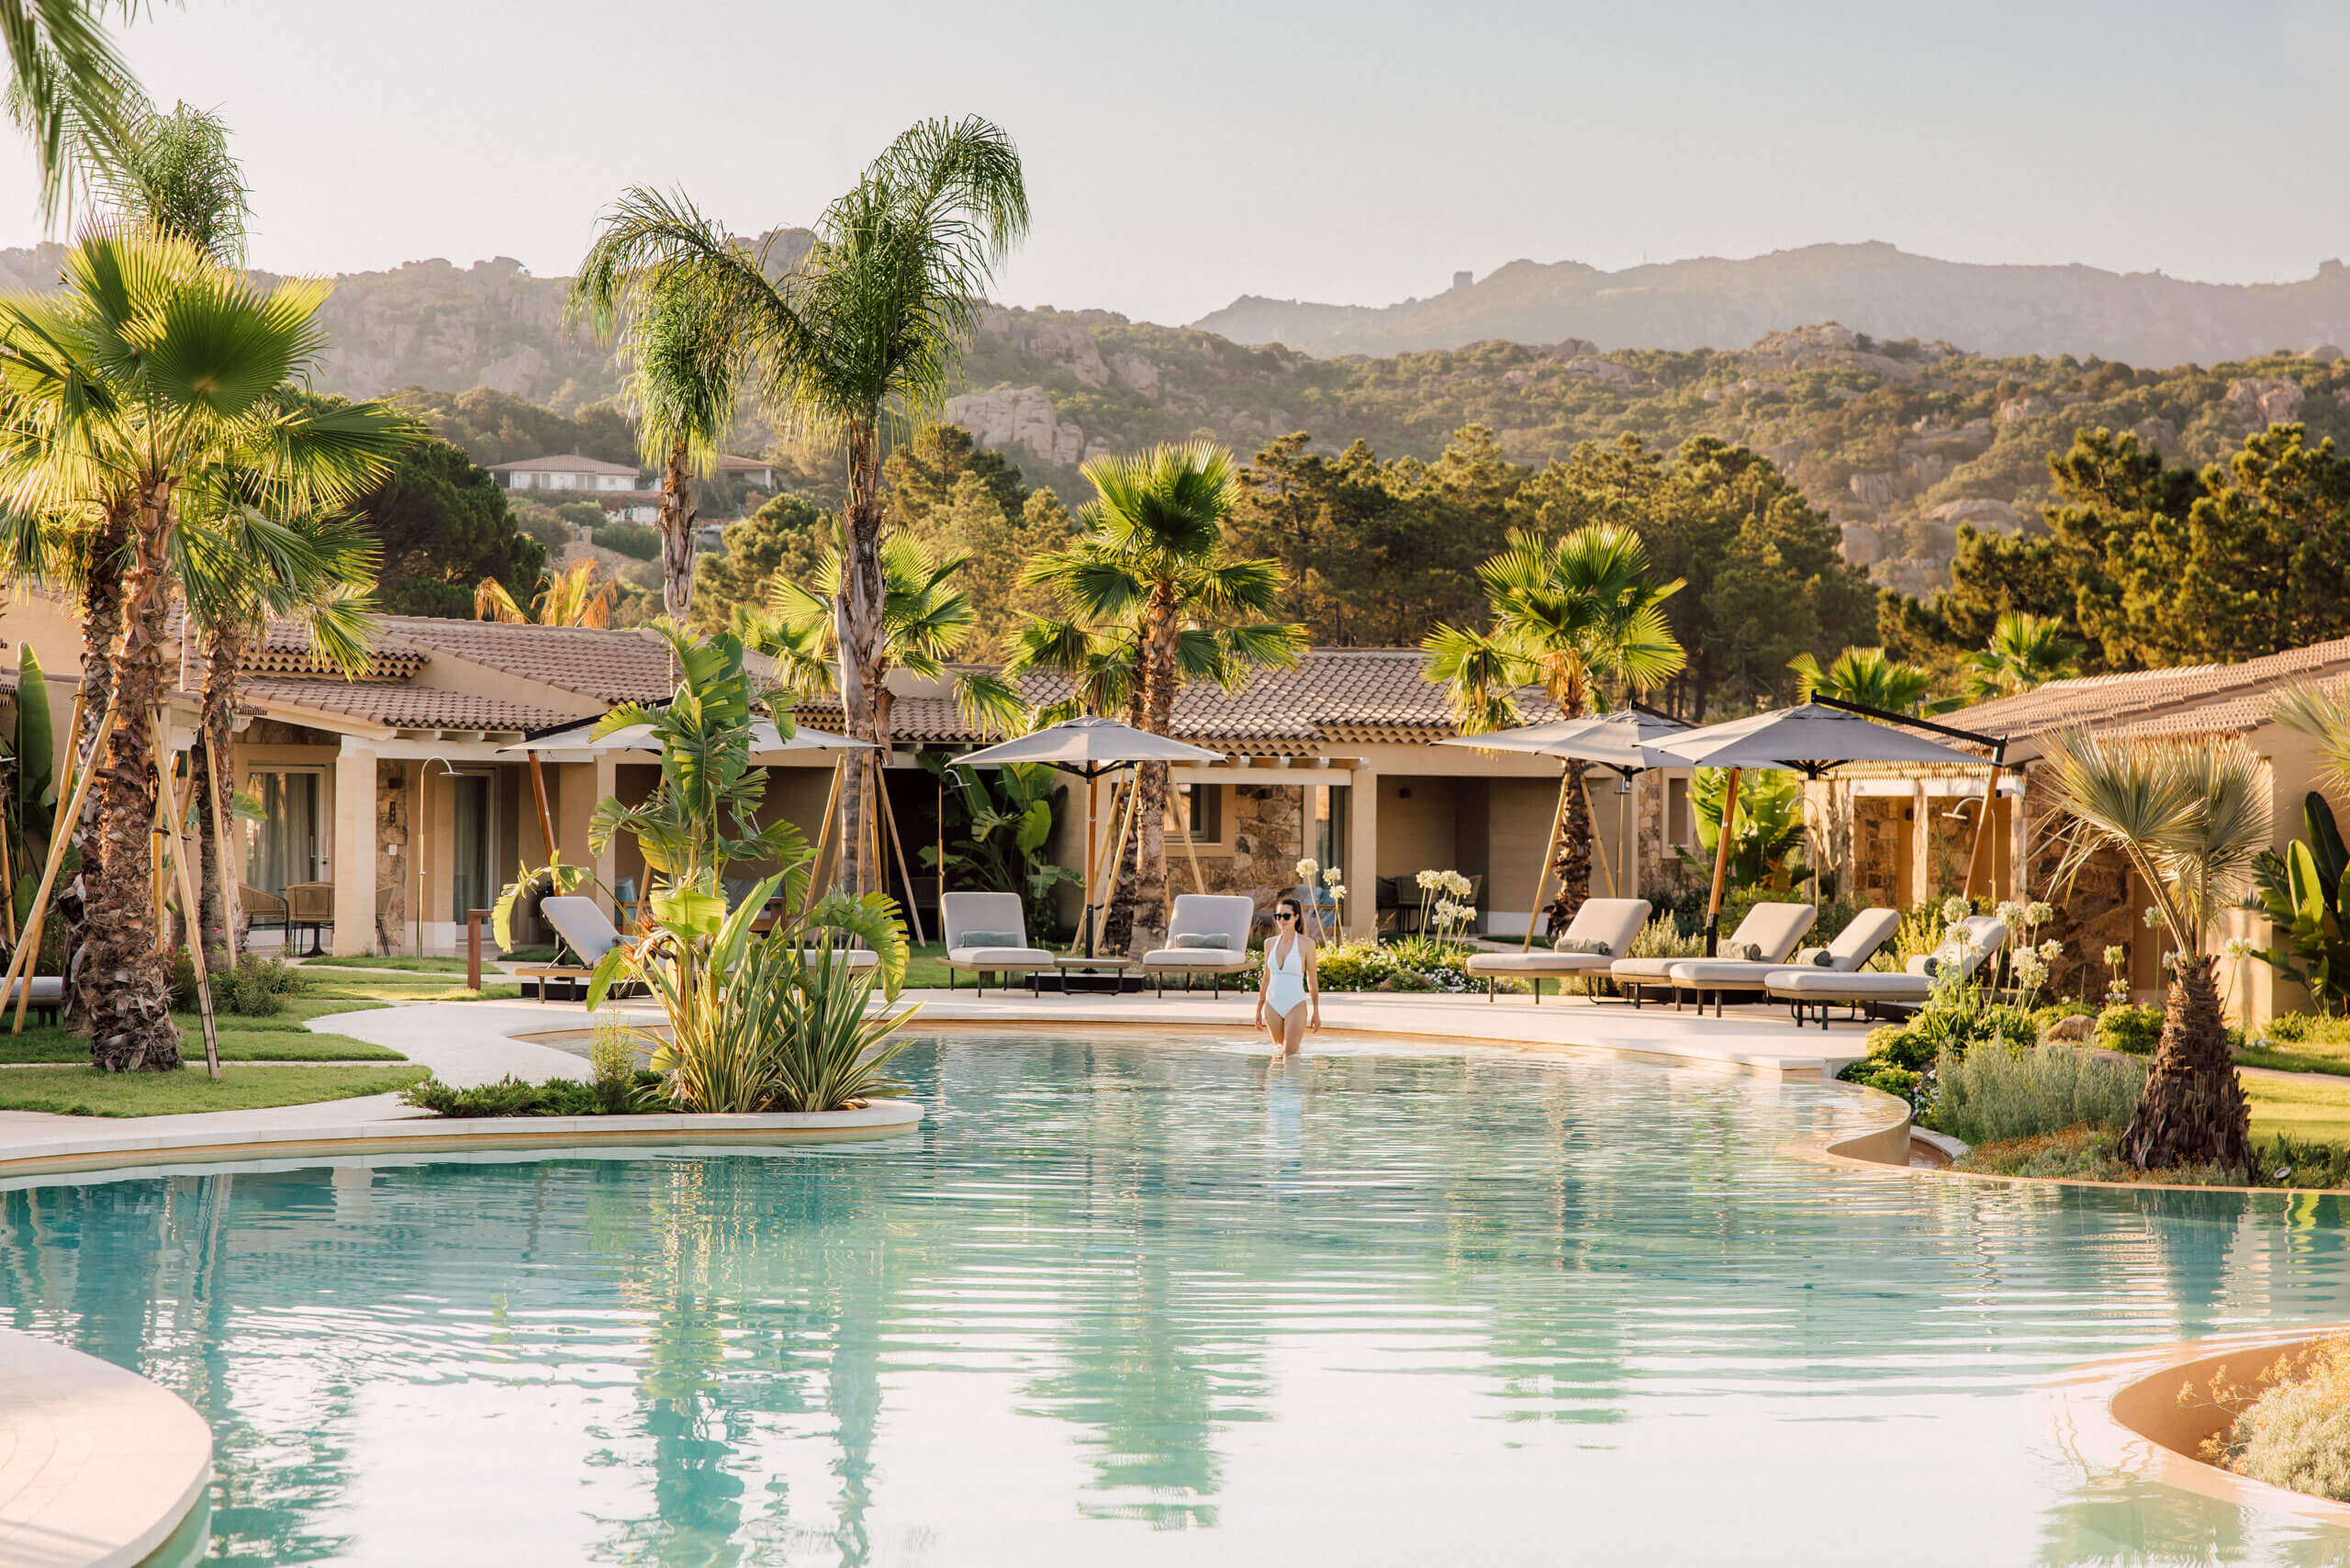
<point>2305,892</point>
<point>633,540</point>
<point>1998,1093</point>
<point>2134,1031</point>
<point>995,825</point>
<point>611,1062</point>
<point>2297,1028</point>
<point>255,987</point>
<point>509,1096</point>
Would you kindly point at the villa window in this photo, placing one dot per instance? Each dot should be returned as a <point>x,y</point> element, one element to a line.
<point>1197,809</point>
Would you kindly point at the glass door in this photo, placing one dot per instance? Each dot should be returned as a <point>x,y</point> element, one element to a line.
<point>474,882</point>
<point>283,848</point>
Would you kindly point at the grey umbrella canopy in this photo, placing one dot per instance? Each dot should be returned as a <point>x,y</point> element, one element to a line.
<point>1626,743</point>
<point>1810,738</point>
<point>1090,747</point>
<point>765,738</point>
<point>1629,741</point>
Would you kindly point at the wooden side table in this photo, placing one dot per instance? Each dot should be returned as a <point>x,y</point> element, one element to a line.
<point>1104,975</point>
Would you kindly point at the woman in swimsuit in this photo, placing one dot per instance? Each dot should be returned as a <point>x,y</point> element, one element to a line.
<point>1291,992</point>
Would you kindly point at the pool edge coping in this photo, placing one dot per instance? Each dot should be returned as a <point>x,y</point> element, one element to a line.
<point>75,1502</point>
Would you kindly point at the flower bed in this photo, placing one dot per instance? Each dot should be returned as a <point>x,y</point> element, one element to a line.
<point>1412,964</point>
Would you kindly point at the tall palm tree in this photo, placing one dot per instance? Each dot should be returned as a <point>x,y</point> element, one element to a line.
<point>69,89</point>
<point>320,575</point>
<point>1573,614</point>
<point>1153,603</point>
<point>2025,651</point>
<point>2190,821</point>
<point>683,370</point>
<point>1868,676</point>
<point>928,622</point>
<point>565,599</point>
<point>157,386</point>
<point>858,343</point>
<point>175,173</point>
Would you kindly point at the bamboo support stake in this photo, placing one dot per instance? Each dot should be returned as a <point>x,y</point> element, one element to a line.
<point>1550,857</point>
<point>221,853</point>
<point>1118,850</point>
<point>176,847</point>
<point>28,950</point>
<point>824,839</point>
<point>7,892</point>
<point>1597,843</point>
<point>1977,858</point>
<point>546,818</point>
<point>889,816</point>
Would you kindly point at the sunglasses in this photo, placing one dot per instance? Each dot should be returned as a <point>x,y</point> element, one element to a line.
<point>1284,914</point>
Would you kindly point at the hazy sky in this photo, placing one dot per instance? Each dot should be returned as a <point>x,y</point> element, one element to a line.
<point>1179,155</point>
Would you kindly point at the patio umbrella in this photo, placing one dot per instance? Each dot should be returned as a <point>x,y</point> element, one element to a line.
<point>1624,742</point>
<point>1087,748</point>
<point>1810,738</point>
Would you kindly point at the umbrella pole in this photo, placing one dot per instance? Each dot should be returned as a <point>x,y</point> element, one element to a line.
<point>1721,864</point>
<point>1549,854</point>
<point>1597,843</point>
<point>1118,847</point>
<point>1977,858</point>
<point>1630,783</point>
<point>1091,781</point>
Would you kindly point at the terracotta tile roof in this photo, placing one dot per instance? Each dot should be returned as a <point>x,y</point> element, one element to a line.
<point>1336,695</point>
<point>2186,699</point>
<point>732,464</point>
<point>402,707</point>
<point>285,649</point>
<point>609,666</point>
<point>570,464</point>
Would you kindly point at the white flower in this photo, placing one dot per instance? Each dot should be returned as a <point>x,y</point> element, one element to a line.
<point>2050,952</point>
<point>2010,912</point>
<point>1429,880</point>
<point>2039,913</point>
<point>2153,917</point>
<point>2239,949</point>
<point>1307,870</point>
<point>1955,909</point>
<point>1337,890</point>
<point>2028,970</point>
<point>2117,992</point>
<point>1456,884</point>
<point>2116,956</point>
<point>1329,876</point>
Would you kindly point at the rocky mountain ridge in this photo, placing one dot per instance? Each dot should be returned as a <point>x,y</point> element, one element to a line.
<point>1710,302</point>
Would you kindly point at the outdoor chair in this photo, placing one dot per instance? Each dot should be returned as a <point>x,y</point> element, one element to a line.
<point>1773,929</point>
<point>385,896</point>
<point>309,904</point>
<point>1964,950</point>
<point>988,934</point>
<point>261,907</point>
<point>1219,923</point>
<point>585,930</point>
<point>1854,947</point>
<point>1605,927</point>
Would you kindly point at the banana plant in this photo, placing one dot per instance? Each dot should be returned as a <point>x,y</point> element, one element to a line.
<point>996,827</point>
<point>2305,892</point>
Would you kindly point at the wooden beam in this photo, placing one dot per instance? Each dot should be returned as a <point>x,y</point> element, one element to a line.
<point>1721,864</point>
<point>20,963</point>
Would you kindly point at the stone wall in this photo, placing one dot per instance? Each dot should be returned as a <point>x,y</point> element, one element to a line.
<point>1880,824</point>
<point>1265,825</point>
<point>2095,908</point>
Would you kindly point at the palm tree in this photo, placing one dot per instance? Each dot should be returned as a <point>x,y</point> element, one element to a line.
<point>2190,821</point>
<point>928,623</point>
<point>157,386</point>
<point>565,599</point>
<point>1571,614</point>
<point>69,89</point>
<point>237,573</point>
<point>1152,604</point>
<point>1867,676</point>
<point>681,385</point>
<point>858,343</point>
<point>2025,651</point>
<point>175,173</point>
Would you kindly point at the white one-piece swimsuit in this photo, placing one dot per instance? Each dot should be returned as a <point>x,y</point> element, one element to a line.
<point>1285,979</point>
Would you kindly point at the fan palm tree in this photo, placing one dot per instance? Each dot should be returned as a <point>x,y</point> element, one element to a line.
<point>2025,651</point>
<point>928,623</point>
<point>156,386</point>
<point>2191,821</point>
<point>858,343</point>
<point>681,385</point>
<point>565,599</point>
<point>1573,615</point>
<point>176,174</point>
<point>1151,604</point>
<point>235,584</point>
<point>1866,676</point>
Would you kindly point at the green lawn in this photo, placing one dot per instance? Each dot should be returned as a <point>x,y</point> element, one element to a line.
<point>2317,1106</point>
<point>397,961</point>
<point>80,1091</point>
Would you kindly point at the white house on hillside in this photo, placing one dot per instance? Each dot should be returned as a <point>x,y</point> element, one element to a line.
<point>568,473</point>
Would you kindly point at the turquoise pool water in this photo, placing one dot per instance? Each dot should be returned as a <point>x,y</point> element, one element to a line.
<point>1135,1301</point>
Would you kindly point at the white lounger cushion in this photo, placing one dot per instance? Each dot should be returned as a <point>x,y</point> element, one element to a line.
<point>1000,957</point>
<point>1861,936</point>
<point>584,927</point>
<point>959,912</point>
<point>1984,934</point>
<point>1228,916</point>
<point>45,988</point>
<point>860,960</point>
<point>1774,928</point>
<point>1616,921</point>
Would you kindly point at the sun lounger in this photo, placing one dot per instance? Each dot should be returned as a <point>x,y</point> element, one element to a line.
<point>1611,924</point>
<point>1220,923</point>
<point>1854,946</point>
<point>988,934</point>
<point>1774,928</point>
<point>46,997</point>
<point>589,934</point>
<point>1971,942</point>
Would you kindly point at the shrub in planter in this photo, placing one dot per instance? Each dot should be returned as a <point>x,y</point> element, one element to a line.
<point>1997,1092</point>
<point>2296,1434</point>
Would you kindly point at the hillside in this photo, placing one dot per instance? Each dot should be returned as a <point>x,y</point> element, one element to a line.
<point>1898,442</point>
<point>2140,318</point>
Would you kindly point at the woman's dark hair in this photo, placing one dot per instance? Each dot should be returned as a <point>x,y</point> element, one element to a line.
<point>1296,909</point>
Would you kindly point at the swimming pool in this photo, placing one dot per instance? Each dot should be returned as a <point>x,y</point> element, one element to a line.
<point>1146,1301</point>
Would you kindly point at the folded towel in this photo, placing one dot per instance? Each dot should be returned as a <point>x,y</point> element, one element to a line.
<point>1590,944</point>
<point>1745,952</point>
